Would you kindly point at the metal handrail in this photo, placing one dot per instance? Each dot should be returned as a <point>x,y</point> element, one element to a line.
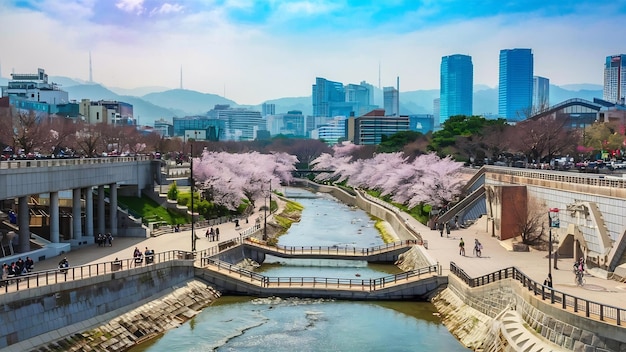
<point>336,250</point>
<point>590,308</point>
<point>319,282</point>
<point>72,273</point>
<point>559,176</point>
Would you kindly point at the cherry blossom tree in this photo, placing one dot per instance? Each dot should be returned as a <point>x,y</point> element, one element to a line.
<point>230,178</point>
<point>427,179</point>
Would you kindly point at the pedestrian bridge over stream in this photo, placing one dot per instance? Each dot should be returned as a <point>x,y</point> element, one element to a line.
<point>257,250</point>
<point>222,271</point>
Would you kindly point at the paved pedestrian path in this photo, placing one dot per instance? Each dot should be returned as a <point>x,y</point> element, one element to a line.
<point>495,256</point>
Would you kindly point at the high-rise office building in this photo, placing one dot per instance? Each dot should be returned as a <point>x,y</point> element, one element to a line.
<point>457,82</point>
<point>360,97</point>
<point>436,111</point>
<point>615,79</point>
<point>541,94</point>
<point>391,99</point>
<point>515,90</point>
<point>327,95</point>
<point>268,109</point>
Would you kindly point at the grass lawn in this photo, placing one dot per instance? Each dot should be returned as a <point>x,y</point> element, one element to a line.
<point>149,209</point>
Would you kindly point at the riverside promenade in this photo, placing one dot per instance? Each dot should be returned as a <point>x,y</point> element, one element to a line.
<point>495,256</point>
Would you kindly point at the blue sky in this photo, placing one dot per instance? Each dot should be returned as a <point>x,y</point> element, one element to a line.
<point>251,51</point>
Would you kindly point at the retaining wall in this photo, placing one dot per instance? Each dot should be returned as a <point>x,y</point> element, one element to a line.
<point>561,327</point>
<point>32,312</point>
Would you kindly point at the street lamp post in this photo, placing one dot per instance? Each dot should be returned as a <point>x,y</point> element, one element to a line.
<point>553,219</point>
<point>265,211</point>
<point>191,181</point>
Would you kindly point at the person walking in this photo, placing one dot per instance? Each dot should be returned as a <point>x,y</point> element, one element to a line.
<point>478,248</point>
<point>548,281</point>
<point>462,247</point>
<point>447,229</point>
<point>440,226</point>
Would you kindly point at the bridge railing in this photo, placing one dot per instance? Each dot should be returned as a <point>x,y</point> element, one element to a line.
<point>72,273</point>
<point>589,308</point>
<point>53,162</point>
<point>564,177</point>
<point>318,282</point>
<point>336,250</point>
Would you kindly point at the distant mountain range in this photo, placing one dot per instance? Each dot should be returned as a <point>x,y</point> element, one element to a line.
<point>153,103</point>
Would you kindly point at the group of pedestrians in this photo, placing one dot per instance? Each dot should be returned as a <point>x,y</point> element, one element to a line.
<point>478,247</point>
<point>104,240</point>
<point>16,269</point>
<point>213,234</point>
<point>139,257</point>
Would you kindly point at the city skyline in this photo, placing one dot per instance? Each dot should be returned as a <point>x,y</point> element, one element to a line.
<point>252,51</point>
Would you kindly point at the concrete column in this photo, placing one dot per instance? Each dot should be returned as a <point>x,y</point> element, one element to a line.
<point>23,221</point>
<point>77,231</point>
<point>54,217</point>
<point>89,213</point>
<point>113,207</point>
<point>101,212</point>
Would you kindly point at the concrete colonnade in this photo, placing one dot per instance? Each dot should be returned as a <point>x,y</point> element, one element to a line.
<point>77,231</point>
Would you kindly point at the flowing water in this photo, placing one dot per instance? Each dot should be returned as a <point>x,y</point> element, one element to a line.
<point>289,325</point>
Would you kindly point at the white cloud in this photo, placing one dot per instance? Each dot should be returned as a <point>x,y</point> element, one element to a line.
<point>306,8</point>
<point>167,8</point>
<point>131,6</point>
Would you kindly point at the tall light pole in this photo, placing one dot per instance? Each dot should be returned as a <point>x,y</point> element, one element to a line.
<point>264,218</point>
<point>265,211</point>
<point>193,235</point>
<point>553,221</point>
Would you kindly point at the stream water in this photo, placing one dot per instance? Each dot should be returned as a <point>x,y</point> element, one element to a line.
<point>277,325</point>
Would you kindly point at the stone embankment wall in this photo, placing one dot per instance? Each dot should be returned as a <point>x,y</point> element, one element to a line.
<point>471,315</point>
<point>143,323</point>
<point>68,307</point>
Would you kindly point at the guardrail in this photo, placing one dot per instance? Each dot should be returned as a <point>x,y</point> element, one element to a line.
<point>54,276</point>
<point>336,250</point>
<point>559,176</point>
<point>20,164</point>
<point>591,309</point>
<point>318,282</point>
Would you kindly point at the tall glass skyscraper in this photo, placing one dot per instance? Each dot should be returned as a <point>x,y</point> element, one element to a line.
<point>515,90</point>
<point>457,83</point>
<point>615,79</point>
<point>541,94</point>
<point>327,94</point>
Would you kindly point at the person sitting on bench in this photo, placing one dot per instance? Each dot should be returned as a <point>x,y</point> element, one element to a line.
<point>149,254</point>
<point>138,256</point>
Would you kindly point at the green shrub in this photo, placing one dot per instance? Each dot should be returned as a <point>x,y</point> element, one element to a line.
<point>172,193</point>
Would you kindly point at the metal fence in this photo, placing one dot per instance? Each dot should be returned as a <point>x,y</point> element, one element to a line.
<point>317,282</point>
<point>72,273</point>
<point>603,312</point>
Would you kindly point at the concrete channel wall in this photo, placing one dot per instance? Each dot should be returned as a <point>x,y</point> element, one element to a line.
<point>563,328</point>
<point>35,311</point>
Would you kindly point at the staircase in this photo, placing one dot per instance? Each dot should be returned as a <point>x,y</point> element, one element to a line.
<point>520,337</point>
<point>468,209</point>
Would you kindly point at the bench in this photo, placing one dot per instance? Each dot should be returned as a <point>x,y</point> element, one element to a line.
<point>116,265</point>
